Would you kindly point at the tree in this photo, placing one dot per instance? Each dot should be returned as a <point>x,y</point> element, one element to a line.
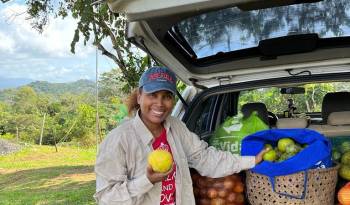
<point>111,85</point>
<point>96,23</point>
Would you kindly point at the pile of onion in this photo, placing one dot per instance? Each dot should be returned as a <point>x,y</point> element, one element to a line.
<point>344,195</point>
<point>220,191</point>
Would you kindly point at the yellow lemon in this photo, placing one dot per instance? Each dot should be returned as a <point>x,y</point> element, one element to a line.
<point>160,160</point>
<point>271,155</point>
<point>283,143</point>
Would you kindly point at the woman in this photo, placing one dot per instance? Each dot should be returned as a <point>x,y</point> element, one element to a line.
<point>122,173</point>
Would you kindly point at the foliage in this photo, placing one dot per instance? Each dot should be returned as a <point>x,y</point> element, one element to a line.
<point>111,85</point>
<point>180,86</point>
<point>64,116</point>
<point>76,87</point>
<point>310,101</point>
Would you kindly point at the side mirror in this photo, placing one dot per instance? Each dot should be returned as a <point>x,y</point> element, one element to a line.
<point>293,90</point>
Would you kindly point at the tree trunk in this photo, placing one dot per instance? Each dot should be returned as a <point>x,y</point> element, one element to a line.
<point>307,106</point>
<point>42,130</point>
<point>17,134</point>
<point>313,98</point>
<point>70,129</point>
<point>54,140</point>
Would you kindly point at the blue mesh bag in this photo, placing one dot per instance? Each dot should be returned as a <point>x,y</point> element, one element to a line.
<point>316,155</point>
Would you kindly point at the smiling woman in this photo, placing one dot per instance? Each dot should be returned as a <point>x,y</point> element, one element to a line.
<point>123,175</point>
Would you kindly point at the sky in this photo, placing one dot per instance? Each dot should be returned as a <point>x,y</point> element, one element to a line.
<point>25,53</point>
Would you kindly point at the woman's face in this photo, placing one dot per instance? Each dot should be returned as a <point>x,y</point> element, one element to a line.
<point>155,107</point>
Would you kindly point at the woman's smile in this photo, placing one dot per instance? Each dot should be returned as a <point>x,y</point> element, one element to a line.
<point>155,107</point>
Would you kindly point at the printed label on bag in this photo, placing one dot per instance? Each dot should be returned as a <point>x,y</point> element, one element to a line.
<point>231,146</point>
<point>320,165</point>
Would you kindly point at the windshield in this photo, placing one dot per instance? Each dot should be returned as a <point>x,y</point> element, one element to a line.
<point>233,29</point>
<point>309,102</point>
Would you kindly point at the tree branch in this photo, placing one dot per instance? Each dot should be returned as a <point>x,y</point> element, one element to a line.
<point>109,54</point>
<point>103,24</point>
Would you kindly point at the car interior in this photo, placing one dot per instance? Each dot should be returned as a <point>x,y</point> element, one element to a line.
<point>330,114</point>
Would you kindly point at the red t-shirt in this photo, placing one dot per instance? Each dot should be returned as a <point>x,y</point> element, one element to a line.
<point>167,196</point>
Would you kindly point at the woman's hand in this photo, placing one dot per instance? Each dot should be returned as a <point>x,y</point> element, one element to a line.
<point>155,177</point>
<point>259,157</point>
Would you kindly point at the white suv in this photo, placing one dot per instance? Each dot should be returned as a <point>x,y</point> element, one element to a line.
<point>226,48</point>
<point>290,60</point>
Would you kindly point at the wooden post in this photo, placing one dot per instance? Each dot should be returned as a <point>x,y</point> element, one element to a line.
<point>17,134</point>
<point>42,130</point>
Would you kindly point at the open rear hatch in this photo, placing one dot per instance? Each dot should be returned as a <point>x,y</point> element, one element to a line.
<point>219,42</point>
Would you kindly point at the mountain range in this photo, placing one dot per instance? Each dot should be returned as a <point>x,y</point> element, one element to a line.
<point>76,87</point>
<point>13,82</point>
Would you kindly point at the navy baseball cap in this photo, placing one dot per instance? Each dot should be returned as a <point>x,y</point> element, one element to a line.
<point>158,78</point>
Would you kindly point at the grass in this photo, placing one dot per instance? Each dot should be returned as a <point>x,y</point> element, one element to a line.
<point>39,175</point>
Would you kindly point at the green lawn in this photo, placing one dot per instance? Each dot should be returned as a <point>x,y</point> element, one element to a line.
<point>40,175</point>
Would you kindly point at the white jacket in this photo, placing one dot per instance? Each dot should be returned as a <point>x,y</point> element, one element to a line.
<point>122,159</point>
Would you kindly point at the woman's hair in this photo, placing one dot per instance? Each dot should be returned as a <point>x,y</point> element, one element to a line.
<point>131,102</point>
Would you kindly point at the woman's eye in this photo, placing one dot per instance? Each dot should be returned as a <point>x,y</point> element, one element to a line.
<point>169,97</point>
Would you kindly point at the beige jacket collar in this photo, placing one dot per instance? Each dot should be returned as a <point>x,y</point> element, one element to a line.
<point>144,133</point>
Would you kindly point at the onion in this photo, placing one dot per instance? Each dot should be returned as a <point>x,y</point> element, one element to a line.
<point>344,194</point>
<point>222,193</point>
<point>201,183</point>
<point>209,180</point>
<point>239,187</point>
<point>239,198</point>
<point>212,193</point>
<point>204,201</point>
<point>217,201</point>
<point>203,192</point>
<point>235,177</point>
<point>231,197</point>
<point>228,183</point>
<point>218,185</point>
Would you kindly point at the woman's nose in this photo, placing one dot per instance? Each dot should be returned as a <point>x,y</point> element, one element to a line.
<point>160,101</point>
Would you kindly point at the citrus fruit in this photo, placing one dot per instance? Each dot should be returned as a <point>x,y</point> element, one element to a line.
<point>268,146</point>
<point>271,155</point>
<point>293,148</point>
<point>344,171</point>
<point>160,160</point>
<point>345,159</point>
<point>283,143</point>
<point>336,155</point>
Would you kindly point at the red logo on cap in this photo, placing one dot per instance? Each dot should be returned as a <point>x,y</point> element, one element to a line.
<point>162,75</point>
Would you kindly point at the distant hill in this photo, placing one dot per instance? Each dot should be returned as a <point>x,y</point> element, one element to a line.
<point>77,87</point>
<point>6,83</point>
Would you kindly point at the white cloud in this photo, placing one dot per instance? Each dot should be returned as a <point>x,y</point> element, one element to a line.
<point>25,53</point>
<point>7,43</point>
<point>55,39</point>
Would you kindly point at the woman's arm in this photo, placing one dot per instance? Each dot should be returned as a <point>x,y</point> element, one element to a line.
<point>209,161</point>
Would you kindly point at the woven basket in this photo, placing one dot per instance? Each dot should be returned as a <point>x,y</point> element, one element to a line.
<point>319,190</point>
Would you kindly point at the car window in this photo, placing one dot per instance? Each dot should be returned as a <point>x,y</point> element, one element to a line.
<point>228,107</point>
<point>233,29</point>
<point>202,123</point>
<point>309,102</point>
